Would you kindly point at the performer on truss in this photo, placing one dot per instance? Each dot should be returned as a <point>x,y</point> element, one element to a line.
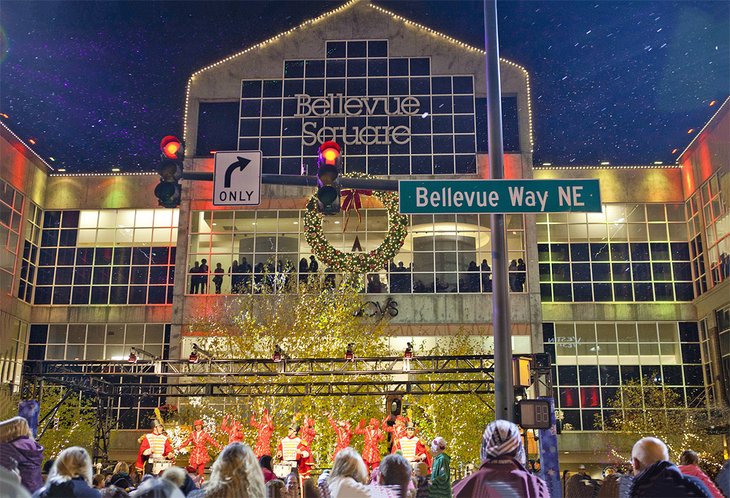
<point>265,429</point>
<point>199,455</point>
<point>155,451</point>
<point>307,433</point>
<point>344,434</point>
<point>292,450</point>
<point>372,435</point>
<point>412,448</point>
<point>233,428</point>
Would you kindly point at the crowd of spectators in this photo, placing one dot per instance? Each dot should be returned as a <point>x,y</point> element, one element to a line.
<point>236,473</point>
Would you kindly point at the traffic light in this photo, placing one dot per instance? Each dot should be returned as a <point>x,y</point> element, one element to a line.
<point>328,168</point>
<point>393,405</point>
<point>169,190</point>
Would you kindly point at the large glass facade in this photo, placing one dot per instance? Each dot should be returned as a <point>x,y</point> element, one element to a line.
<point>11,214</point>
<point>442,253</point>
<point>593,359</point>
<point>629,252</point>
<point>96,341</point>
<point>709,227</point>
<point>110,256</point>
<point>31,243</point>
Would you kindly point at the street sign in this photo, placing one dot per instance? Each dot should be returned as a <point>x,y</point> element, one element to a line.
<point>237,178</point>
<point>499,196</point>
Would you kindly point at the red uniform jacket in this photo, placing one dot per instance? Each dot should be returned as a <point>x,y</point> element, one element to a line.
<point>199,454</point>
<point>159,443</point>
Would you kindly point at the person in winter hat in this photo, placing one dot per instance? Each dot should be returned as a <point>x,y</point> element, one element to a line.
<point>503,470</point>
<point>440,470</point>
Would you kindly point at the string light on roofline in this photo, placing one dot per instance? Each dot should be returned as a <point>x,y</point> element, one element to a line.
<point>635,166</point>
<point>305,24</point>
<point>471,49</point>
<point>26,145</point>
<point>379,9</point>
<point>145,173</point>
<point>703,129</point>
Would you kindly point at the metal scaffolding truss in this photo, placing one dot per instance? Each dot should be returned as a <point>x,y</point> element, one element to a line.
<point>384,365</point>
<point>465,374</point>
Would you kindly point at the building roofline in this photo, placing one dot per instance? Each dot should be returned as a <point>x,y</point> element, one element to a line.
<point>699,134</point>
<point>14,140</point>
<point>609,167</point>
<point>339,9</point>
<point>113,173</point>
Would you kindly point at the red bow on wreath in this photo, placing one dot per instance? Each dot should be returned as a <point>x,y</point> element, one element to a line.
<point>351,200</point>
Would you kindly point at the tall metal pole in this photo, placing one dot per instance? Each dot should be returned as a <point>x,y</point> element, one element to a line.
<point>503,386</point>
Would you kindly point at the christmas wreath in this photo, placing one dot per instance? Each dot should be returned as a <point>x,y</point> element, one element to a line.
<point>375,260</point>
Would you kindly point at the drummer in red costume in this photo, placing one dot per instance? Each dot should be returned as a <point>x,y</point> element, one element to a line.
<point>293,450</point>
<point>154,449</point>
<point>411,447</point>
<point>199,455</point>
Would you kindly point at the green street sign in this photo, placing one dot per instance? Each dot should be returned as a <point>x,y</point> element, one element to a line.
<point>499,196</point>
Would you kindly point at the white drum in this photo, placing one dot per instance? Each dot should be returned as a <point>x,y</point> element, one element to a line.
<point>159,465</point>
<point>281,470</point>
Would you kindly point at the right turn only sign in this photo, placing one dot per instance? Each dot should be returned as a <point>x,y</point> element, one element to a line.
<point>237,178</point>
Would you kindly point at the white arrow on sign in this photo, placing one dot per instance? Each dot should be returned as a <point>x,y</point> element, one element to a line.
<point>237,178</point>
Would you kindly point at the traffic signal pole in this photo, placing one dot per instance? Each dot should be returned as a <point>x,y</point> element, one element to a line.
<point>504,397</point>
<point>306,181</point>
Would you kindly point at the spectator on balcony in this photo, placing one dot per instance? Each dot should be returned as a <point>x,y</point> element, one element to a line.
<point>218,278</point>
<point>521,275</point>
<point>375,286</point>
<point>203,277</point>
<point>486,276</point>
<point>194,278</point>
<point>303,270</point>
<point>512,276</point>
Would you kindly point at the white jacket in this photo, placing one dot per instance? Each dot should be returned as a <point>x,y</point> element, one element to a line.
<point>347,487</point>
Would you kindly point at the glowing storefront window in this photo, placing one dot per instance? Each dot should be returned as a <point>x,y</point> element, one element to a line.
<point>444,253</point>
<point>632,252</point>
<point>124,256</point>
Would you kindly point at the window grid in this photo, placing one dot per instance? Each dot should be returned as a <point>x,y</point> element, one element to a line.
<point>443,132</point>
<point>101,257</point>
<point>717,230</point>
<point>112,341</point>
<point>11,214</point>
<point>633,252</point>
<point>31,242</point>
<point>442,253</point>
<point>593,359</point>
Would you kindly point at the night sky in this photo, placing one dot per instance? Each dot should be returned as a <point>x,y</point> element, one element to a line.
<point>97,84</point>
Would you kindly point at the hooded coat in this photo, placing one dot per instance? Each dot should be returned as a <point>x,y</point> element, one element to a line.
<point>29,456</point>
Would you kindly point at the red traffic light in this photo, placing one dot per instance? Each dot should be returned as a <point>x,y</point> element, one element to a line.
<point>170,146</point>
<point>329,152</point>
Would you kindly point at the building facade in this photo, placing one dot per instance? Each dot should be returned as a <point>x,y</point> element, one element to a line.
<point>92,267</point>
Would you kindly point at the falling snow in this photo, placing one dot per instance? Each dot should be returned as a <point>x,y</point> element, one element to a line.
<point>98,83</point>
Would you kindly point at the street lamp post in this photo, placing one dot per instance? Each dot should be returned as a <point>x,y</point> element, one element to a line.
<point>503,388</point>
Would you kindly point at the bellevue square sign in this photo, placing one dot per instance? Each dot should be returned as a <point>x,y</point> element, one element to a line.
<point>339,105</point>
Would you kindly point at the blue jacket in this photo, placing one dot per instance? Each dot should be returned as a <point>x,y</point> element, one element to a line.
<point>73,488</point>
<point>664,480</point>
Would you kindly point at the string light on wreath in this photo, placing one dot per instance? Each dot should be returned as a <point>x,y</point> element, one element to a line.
<point>360,263</point>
